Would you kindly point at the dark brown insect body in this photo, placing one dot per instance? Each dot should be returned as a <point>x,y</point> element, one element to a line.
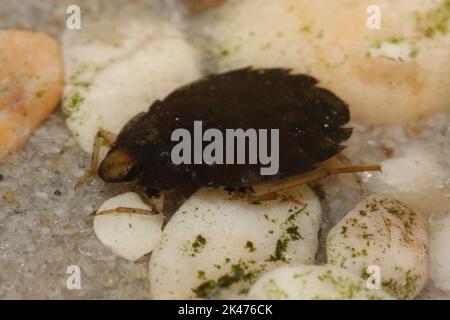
<point>310,122</point>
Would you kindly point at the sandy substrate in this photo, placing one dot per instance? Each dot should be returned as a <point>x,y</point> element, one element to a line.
<point>46,226</point>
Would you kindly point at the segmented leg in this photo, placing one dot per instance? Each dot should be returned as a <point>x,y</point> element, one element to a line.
<point>271,197</point>
<point>156,202</point>
<point>253,198</point>
<point>127,210</point>
<point>346,161</point>
<point>110,139</point>
<point>315,175</point>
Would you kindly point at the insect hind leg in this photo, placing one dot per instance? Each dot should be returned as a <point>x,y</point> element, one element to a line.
<point>318,174</point>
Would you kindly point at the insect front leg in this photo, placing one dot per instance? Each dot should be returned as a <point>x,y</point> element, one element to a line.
<point>110,139</point>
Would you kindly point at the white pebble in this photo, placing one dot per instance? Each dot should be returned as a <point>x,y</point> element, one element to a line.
<point>413,172</point>
<point>402,81</point>
<point>381,231</point>
<point>129,235</point>
<point>440,252</point>
<point>109,82</point>
<point>214,239</point>
<point>314,283</point>
<point>413,178</point>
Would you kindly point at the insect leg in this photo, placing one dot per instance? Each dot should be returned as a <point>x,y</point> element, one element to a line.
<point>271,197</point>
<point>156,202</point>
<point>110,139</point>
<point>127,210</point>
<point>346,161</point>
<point>315,175</point>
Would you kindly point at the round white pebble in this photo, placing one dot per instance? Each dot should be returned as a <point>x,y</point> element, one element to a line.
<point>440,252</point>
<point>216,245</point>
<point>314,283</point>
<point>382,232</point>
<point>413,177</point>
<point>129,235</point>
<point>392,75</point>
<point>109,82</point>
<point>415,171</point>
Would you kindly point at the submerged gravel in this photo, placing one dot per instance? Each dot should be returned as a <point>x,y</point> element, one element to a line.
<point>46,226</point>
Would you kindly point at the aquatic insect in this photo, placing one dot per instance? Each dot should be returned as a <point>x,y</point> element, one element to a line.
<point>310,120</point>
